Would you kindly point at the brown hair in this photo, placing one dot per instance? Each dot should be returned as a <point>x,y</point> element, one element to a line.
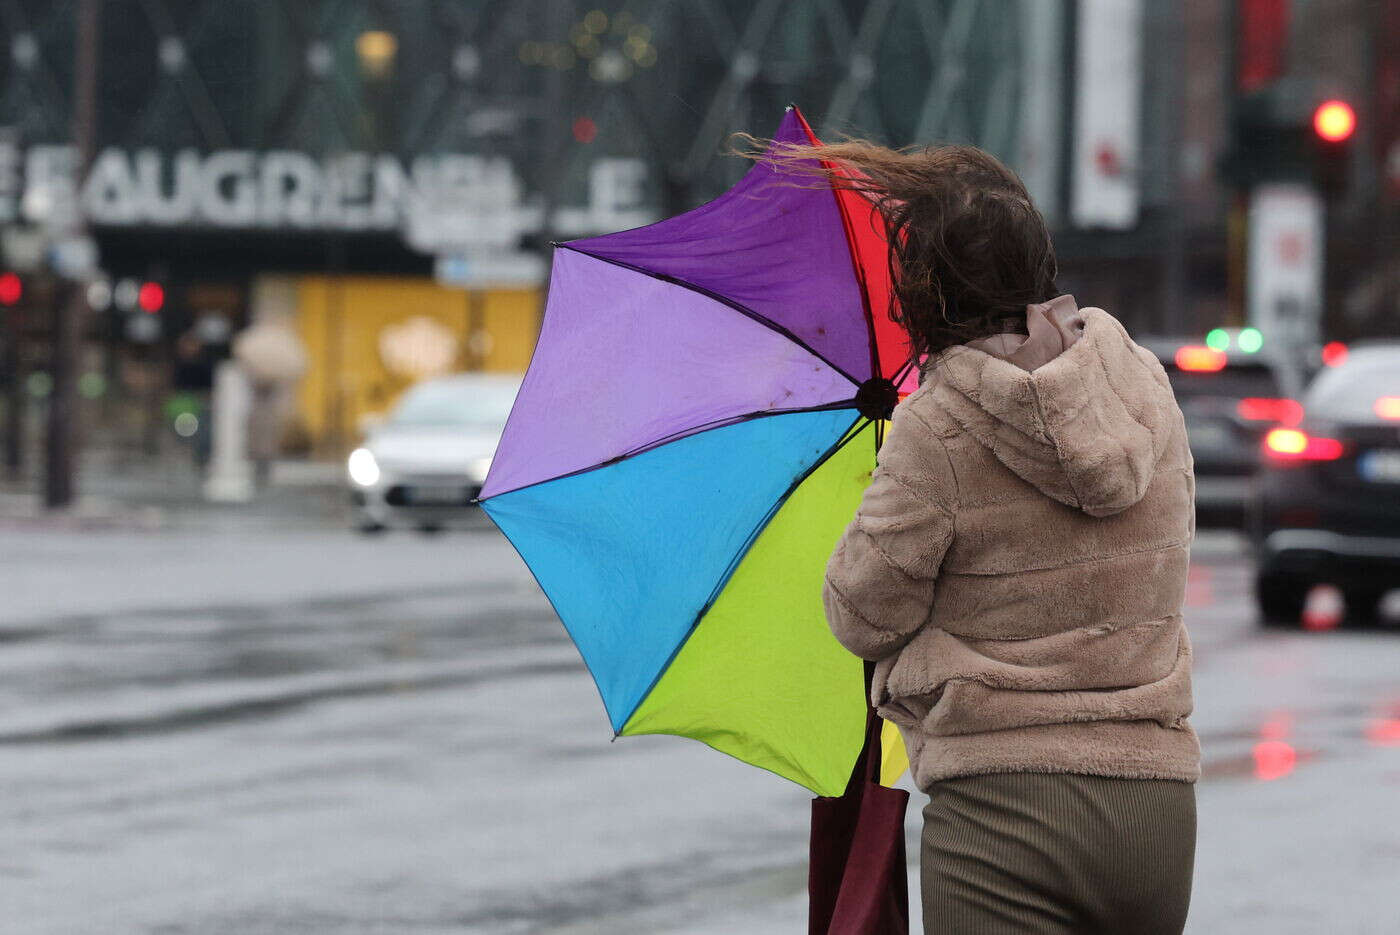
<point>968,249</point>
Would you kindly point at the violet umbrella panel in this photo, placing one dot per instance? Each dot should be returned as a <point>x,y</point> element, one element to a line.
<point>691,438</point>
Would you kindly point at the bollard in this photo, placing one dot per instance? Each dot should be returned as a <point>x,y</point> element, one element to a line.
<point>230,477</point>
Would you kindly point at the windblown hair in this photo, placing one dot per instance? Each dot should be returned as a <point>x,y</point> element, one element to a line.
<point>968,249</point>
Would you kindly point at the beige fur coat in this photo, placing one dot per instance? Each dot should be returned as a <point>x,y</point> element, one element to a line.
<point>1018,565</point>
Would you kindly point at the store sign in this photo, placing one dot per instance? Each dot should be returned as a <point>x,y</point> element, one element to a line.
<point>505,270</point>
<point>1285,262</point>
<point>448,202</point>
<point>1392,170</point>
<point>1107,114</point>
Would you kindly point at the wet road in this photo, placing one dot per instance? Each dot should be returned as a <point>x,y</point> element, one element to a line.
<point>264,729</point>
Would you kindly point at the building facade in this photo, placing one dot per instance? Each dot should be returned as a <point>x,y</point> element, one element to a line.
<point>398,169</point>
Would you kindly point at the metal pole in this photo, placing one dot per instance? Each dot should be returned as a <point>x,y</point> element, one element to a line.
<point>60,455</point>
<point>12,363</point>
<point>559,101</point>
<point>334,437</point>
<point>476,328</point>
<point>1172,309</point>
<point>1237,215</point>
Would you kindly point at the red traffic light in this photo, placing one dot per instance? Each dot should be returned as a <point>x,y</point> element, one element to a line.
<point>11,288</point>
<point>585,130</point>
<point>1334,121</point>
<point>151,297</point>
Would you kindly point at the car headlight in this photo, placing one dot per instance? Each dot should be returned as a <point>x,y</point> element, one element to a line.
<point>364,470</point>
<point>479,468</point>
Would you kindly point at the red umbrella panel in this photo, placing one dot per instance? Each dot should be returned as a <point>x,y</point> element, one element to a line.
<point>865,235</point>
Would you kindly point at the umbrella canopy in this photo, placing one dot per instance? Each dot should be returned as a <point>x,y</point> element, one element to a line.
<point>691,438</point>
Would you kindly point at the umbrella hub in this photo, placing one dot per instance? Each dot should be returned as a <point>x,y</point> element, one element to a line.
<point>876,398</point>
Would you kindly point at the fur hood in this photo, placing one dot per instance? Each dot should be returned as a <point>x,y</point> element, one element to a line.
<point>1087,428</point>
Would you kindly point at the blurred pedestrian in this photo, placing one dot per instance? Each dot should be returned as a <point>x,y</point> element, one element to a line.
<point>273,358</point>
<point>1017,569</point>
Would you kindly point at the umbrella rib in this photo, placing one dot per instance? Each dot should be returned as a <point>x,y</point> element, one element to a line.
<point>848,436</point>
<point>903,372</point>
<point>677,436</point>
<point>857,268</point>
<point>710,294</point>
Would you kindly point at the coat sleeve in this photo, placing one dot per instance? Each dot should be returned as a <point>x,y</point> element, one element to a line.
<point>880,579</point>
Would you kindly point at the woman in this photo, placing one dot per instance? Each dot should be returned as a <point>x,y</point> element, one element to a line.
<point>1017,569</point>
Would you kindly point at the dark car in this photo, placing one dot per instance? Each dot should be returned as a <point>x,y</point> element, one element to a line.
<point>1230,399</point>
<point>1327,505</point>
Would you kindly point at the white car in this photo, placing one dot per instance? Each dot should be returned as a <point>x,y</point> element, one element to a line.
<point>425,464</point>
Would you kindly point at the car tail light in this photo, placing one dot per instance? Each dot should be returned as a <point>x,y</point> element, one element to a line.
<point>1265,409</point>
<point>1333,353</point>
<point>1199,358</point>
<point>1297,445</point>
<point>1388,407</point>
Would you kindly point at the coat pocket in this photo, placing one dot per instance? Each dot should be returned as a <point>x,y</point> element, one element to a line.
<point>908,710</point>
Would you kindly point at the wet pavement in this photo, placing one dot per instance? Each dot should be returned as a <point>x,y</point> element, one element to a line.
<point>218,726</point>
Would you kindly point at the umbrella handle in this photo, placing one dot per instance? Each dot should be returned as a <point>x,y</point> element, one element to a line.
<point>867,766</point>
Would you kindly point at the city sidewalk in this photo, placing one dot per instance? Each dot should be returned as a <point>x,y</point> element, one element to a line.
<point>152,493</point>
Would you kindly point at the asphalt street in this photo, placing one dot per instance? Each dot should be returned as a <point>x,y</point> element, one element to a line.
<point>225,727</point>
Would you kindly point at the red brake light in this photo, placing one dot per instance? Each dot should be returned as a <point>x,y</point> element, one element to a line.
<point>1296,445</point>
<point>1264,409</point>
<point>11,289</point>
<point>1333,353</point>
<point>1388,407</point>
<point>1323,449</point>
<point>1198,357</point>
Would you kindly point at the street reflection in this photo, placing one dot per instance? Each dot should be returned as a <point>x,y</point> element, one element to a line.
<point>1384,731</point>
<point>1273,759</point>
<point>1273,756</point>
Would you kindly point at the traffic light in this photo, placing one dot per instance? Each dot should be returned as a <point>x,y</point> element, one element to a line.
<point>1277,133</point>
<point>1267,139</point>
<point>151,297</point>
<point>11,289</point>
<point>1333,125</point>
<point>585,130</point>
<point>1334,121</point>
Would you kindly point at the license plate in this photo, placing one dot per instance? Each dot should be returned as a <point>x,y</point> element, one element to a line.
<point>434,495</point>
<point>1380,467</point>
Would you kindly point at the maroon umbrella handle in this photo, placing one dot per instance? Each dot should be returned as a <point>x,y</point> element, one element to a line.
<point>867,766</point>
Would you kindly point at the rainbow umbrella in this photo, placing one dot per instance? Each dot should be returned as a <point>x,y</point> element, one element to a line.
<point>692,436</point>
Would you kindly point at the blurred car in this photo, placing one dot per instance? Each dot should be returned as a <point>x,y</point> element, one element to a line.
<point>1327,507</point>
<point>425,464</point>
<point>1230,397</point>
